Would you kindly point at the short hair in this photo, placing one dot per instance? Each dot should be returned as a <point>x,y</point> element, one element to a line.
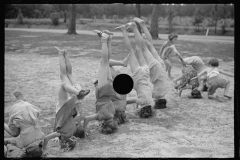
<point>17,94</point>
<point>109,126</point>
<point>145,112</point>
<point>213,62</point>
<point>160,103</point>
<point>196,93</point>
<point>120,117</point>
<point>172,35</point>
<point>80,133</point>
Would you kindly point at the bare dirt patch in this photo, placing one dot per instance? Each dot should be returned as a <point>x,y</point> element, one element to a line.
<point>186,128</point>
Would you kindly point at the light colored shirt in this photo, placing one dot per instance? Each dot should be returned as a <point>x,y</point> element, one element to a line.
<point>212,73</point>
<point>196,62</point>
<point>25,116</point>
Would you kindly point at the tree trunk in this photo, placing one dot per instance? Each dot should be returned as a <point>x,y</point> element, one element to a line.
<point>154,22</point>
<point>65,16</point>
<point>19,17</point>
<point>138,10</point>
<point>215,26</point>
<point>72,20</point>
<point>170,25</point>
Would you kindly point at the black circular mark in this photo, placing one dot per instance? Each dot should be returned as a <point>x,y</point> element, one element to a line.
<point>123,84</point>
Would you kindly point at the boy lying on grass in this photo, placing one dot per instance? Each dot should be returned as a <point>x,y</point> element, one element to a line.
<point>214,80</point>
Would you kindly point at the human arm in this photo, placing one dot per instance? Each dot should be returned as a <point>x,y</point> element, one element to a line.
<point>199,75</point>
<point>14,131</point>
<point>225,73</point>
<point>161,50</point>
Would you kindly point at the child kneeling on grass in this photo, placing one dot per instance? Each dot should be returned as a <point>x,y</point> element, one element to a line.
<point>214,80</point>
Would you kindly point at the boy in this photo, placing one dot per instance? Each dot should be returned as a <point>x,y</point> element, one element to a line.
<point>215,80</point>
<point>23,125</point>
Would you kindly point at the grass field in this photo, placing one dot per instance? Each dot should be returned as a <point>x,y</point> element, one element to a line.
<point>186,128</point>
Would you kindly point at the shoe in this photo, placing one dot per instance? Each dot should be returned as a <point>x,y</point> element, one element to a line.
<point>99,33</point>
<point>83,93</point>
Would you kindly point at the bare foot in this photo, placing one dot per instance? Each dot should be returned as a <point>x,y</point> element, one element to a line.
<point>60,51</point>
<point>109,33</point>
<point>125,61</point>
<point>138,20</point>
<point>130,24</point>
<point>122,27</point>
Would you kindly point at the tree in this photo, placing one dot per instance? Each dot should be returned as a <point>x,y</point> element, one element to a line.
<point>224,14</point>
<point>72,20</point>
<point>65,16</point>
<point>215,15</point>
<point>19,17</point>
<point>171,14</point>
<point>138,10</point>
<point>198,17</point>
<point>10,11</point>
<point>154,22</point>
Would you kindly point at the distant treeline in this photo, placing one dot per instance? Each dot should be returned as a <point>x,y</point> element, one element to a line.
<point>117,9</point>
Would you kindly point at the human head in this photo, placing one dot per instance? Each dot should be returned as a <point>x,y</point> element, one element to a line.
<point>145,112</point>
<point>18,95</point>
<point>80,133</point>
<point>160,103</point>
<point>120,117</point>
<point>33,150</point>
<point>172,37</point>
<point>109,126</point>
<point>213,62</point>
<point>196,93</point>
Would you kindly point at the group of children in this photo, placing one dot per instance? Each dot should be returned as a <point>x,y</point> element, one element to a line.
<point>150,83</point>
